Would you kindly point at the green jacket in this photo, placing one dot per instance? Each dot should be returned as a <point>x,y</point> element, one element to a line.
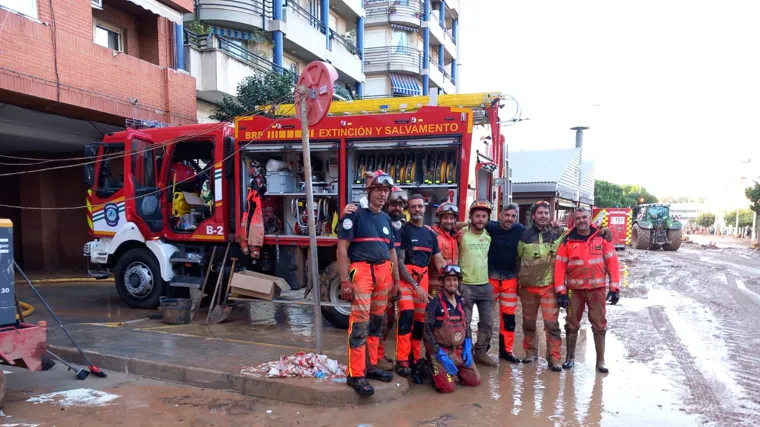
<point>535,256</point>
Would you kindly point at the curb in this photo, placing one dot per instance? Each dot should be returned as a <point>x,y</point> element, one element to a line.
<point>63,280</point>
<point>294,390</point>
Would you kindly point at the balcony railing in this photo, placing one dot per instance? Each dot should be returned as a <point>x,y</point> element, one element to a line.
<point>345,43</point>
<point>303,13</point>
<point>258,7</point>
<point>447,76</point>
<point>390,7</point>
<point>393,55</point>
<point>258,63</point>
<point>434,63</point>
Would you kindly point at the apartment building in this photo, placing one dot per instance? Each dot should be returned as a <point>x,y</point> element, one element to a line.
<point>380,48</point>
<point>71,71</point>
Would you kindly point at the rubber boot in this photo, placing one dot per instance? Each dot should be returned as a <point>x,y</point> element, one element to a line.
<point>572,339</point>
<point>554,364</point>
<point>418,372</point>
<point>504,354</point>
<point>385,364</point>
<point>375,373</point>
<point>530,356</point>
<point>599,344</point>
<point>403,369</point>
<point>482,358</point>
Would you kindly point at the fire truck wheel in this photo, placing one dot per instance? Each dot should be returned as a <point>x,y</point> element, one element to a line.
<point>640,237</point>
<point>2,386</point>
<point>329,287</point>
<point>674,240</point>
<point>138,279</point>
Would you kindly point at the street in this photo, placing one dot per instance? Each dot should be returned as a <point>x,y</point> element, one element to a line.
<point>682,351</point>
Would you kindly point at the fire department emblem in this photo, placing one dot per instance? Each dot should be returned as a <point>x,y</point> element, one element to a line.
<point>347,224</point>
<point>457,336</point>
<point>386,231</point>
<point>111,213</point>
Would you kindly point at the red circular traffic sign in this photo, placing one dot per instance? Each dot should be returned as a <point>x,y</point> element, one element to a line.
<point>317,78</point>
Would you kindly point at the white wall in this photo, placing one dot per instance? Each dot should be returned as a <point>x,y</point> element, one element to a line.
<point>377,85</point>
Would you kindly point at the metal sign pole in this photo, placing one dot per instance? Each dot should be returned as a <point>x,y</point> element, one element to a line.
<point>313,264</point>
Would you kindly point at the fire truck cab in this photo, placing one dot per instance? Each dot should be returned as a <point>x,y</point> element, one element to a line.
<point>161,199</point>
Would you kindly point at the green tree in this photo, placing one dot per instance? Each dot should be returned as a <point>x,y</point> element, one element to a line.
<point>706,219</point>
<point>607,194</point>
<point>745,217</point>
<point>753,195</point>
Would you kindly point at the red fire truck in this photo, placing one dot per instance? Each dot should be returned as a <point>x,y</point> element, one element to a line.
<point>162,198</point>
<point>617,220</point>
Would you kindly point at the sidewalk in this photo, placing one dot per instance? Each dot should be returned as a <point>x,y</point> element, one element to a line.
<point>122,339</point>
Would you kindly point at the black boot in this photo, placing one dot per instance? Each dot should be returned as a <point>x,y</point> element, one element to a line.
<point>571,339</point>
<point>504,354</point>
<point>418,372</point>
<point>361,386</point>
<point>403,370</point>
<point>375,373</point>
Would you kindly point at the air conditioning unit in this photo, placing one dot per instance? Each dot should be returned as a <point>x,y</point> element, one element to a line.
<point>98,4</point>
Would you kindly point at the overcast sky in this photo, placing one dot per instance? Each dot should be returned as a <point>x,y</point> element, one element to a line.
<point>670,89</point>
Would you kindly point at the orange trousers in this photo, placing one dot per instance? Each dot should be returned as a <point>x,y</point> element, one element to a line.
<point>372,282</point>
<point>390,320</point>
<point>534,299</point>
<point>411,318</point>
<point>505,294</point>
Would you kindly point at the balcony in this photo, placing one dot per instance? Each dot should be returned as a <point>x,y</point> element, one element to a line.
<point>304,33</point>
<point>441,35</point>
<point>392,58</point>
<point>238,14</point>
<point>219,65</point>
<point>345,8</point>
<point>453,7</point>
<point>435,73</point>
<point>344,55</point>
<point>402,12</point>
<point>448,83</point>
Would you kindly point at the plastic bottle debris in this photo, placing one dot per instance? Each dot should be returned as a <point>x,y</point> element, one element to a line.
<point>300,365</point>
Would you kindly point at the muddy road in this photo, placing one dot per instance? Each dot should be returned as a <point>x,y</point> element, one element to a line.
<point>683,350</point>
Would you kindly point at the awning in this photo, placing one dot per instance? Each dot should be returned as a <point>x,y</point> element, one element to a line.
<point>233,34</point>
<point>160,9</point>
<point>405,85</point>
<point>403,28</point>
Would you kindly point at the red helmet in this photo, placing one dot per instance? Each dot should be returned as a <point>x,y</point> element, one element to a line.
<point>481,204</point>
<point>447,208</point>
<point>181,172</point>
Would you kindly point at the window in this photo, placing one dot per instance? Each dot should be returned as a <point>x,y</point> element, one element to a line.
<point>333,23</point>
<point>108,36</point>
<point>400,40</point>
<point>24,7</point>
<point>97,4</point>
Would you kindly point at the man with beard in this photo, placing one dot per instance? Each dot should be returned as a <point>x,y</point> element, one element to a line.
<point>502,273</point>
<point>476,289</point>
<point>419,248</point>
<point>535,257</point>
<point>447,242</point>
<point>584,260</point>
<point>395,209</point>
<point>366,260</point>
<point>447,335</point>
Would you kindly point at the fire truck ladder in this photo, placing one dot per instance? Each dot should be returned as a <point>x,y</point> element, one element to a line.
<point>475,101</point>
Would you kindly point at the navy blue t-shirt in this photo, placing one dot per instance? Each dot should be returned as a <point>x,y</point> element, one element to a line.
<point>420,244</point>
<point>502,255</point>
<point>370,234</point>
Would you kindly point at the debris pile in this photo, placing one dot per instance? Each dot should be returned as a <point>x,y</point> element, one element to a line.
<point>299,365</point>
<point>710,245</point>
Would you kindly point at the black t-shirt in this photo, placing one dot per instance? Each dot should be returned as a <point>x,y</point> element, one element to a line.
<point>370,234</point>
<point>502,254</point>
<point>420,244</point>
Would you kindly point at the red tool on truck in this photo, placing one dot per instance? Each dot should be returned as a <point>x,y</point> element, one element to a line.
<point>154,225</point>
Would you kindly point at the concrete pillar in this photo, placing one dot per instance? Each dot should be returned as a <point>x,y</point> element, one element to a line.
<point>39,228</point>
<point>179,36</point>
<point>360,39</point>
<point>454,70</point>
<point>359,87</point>
<point>425,85</point>
<point>325,18</point>
<point>426,46</point>
<point>442,13</point>
<point>455,29</point>
<point>277,36</point>
<point>441,55</point>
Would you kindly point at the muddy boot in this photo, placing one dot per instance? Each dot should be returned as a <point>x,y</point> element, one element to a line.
<point>361,386</point>
<point>482,358</point>
<point>402,368</point>
<point>599,344</point>
<point>572,338</point>
<point>385,364</point>
<point>554,365</point>
<point>418,372</point>
<point>504,354</point>
<point>375,373</point>
<point>530,357</point>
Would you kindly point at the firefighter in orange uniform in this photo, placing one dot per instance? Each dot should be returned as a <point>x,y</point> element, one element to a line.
<point>367,266</point>
<point>584,260</point>
<point>446,231</point>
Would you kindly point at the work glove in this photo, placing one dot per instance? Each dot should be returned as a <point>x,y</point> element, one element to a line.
<point>467,355</point>
<point>446,361</point>
<point>613,297</point>
<point>563,301</point>
<point>347,290</point>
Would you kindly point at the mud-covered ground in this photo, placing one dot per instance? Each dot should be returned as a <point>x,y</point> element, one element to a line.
<point>683,350</point>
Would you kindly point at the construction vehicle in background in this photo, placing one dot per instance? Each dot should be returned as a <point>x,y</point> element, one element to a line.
<point>654,228</point>
<point>155,233</point>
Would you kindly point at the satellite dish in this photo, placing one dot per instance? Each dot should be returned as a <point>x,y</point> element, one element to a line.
<point>317,78</point>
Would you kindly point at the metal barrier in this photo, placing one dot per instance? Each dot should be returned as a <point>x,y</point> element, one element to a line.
<point>313,20</point>
<point>259,7</point>
<point>393,55</point>
<point>345,43</point>
<point>390,7</point>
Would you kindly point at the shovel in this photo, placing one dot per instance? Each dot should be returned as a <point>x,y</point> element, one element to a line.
<point>220,313</point>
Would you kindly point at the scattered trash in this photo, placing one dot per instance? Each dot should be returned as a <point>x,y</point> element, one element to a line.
<point>302,365</point>
<point>76,397</point>
<point>339,380</point>
<point>19,425</point>
<point>269,411</point>
<point>710,245</point>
